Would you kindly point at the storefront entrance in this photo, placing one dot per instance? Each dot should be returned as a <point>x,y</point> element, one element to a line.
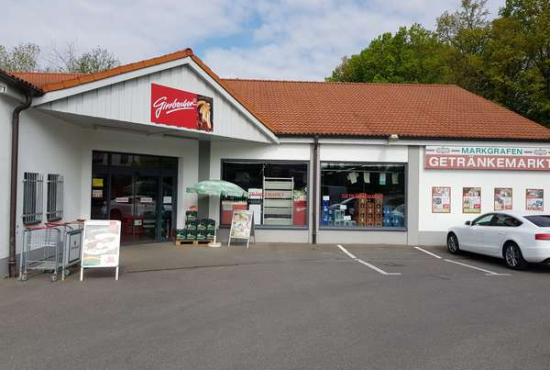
<point>138,190</point>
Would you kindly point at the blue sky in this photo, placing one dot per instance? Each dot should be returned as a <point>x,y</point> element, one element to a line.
<point>273,39</point>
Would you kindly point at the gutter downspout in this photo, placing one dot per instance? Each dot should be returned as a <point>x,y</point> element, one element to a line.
<point>314,193</point>
<point>13,186</point>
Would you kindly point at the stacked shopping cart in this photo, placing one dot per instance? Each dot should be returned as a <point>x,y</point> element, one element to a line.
<point>52,247</point>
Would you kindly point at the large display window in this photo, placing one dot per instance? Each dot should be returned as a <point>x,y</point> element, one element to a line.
<point>363,195</point>
<point>277,192</point>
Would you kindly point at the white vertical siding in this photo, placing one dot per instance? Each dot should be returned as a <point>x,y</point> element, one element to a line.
<point>130,101</point>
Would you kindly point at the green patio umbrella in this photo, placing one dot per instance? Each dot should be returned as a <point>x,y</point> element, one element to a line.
<point>217,187</point>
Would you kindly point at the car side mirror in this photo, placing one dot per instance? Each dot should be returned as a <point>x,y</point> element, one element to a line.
<point>468,223</point>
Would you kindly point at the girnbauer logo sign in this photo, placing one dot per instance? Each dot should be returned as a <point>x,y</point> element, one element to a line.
<point>180,108</point>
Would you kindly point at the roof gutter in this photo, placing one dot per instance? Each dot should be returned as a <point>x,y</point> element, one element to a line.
<point>13,186</point>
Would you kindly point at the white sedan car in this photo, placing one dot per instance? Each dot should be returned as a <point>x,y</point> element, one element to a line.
<point>517,238</point>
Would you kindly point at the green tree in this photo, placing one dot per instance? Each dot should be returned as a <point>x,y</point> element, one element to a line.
<point>70,60</point>
<point>523,74</point>
<point>27,56</point>
<point>466,32</point>
<point>23,57</point>
<point>410,55</point>
<point>467,28</point>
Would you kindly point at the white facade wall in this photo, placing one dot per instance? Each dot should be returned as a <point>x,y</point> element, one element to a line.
<point>49,146</point>
<point>434,226</point>
<point>130,101</point>
<point>7,105</point>
<point>363,153</point>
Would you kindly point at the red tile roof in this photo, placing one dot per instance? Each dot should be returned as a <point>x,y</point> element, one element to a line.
<point>48,82</point>
<point>15,76</point>
<point>41,79</point>
<point>345,109</point>
<point>379,110</point>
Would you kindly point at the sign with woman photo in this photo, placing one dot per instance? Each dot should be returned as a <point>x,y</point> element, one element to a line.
<point>471,200</point>
<point>503,199</point>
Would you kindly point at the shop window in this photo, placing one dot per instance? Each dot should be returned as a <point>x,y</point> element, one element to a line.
<point>54,209</point>
<point>277,192</point>
<point>32,198</point>
<point>360,195</point>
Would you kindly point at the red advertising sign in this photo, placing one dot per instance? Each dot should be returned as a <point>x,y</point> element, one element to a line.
<point>180,108</point>
<point>487,158</point>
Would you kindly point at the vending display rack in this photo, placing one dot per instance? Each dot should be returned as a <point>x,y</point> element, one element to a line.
<point>278,201</point>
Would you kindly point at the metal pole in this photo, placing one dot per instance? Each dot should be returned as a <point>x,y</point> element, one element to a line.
<point>314,192</point>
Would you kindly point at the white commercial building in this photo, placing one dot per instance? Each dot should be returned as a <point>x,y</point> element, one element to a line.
<point>323,162</point>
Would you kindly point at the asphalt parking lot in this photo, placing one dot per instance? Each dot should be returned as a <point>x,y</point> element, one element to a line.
<point>282,307</point>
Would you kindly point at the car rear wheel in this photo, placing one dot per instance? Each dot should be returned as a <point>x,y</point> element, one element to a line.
<point>513,257</point>
<point>452,244</point>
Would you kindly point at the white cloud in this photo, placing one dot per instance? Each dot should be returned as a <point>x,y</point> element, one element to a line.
<point>299,40</point>
<point>289,39</point>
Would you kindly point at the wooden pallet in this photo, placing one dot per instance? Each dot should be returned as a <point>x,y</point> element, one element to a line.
<point>191,242</point>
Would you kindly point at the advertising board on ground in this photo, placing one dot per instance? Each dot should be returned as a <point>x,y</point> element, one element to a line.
<point>100,245</point>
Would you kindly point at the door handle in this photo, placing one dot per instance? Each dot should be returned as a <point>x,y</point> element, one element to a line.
<point>501,233</point>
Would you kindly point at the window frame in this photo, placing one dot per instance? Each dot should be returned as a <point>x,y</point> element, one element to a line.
<point>494,220</point>
<point>55,195</point>
<point>273,161</point>
<point>492,214</point>
<point>365,228</point>
<point>33,208</point>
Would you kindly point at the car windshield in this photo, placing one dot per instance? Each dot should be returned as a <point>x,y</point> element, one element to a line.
<point>540,220</point>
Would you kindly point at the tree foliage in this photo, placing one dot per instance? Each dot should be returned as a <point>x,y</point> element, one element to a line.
<point>28,57</point>
<point>506,59</point>
<point>410,55</point>
<point>95,60</point>
<point>23,57</point>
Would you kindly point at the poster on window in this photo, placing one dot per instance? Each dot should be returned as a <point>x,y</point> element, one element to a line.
<point>471,200</point>
<point>503,199</point>
<point>535,199</point>
<point>441,199</point>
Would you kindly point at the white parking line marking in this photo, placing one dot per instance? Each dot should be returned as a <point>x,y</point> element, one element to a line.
<point>366,263</point>
<point>427,252</point>
<point>487,272</point>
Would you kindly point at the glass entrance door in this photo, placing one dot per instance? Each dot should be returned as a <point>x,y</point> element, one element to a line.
<point>121,205</point>
<point>138,190</point>
<point>167,207</point>
<point>145,207</point>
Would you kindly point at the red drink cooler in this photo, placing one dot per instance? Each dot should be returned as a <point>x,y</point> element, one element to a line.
<point>300,213</point>
<point>228,208</point>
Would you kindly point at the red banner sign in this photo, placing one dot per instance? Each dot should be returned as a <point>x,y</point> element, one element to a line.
<point>487,158</point>
<point>180,108</point>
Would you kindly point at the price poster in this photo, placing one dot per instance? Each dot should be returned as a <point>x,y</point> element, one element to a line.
<point>441,199</point>
<point>534,199</point>
<point>471,200</point>
<point>503,199</point>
